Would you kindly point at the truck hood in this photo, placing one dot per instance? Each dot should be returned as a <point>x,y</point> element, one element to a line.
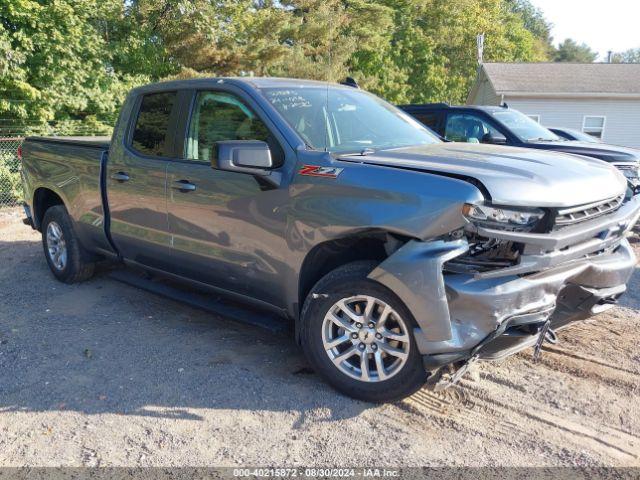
<point>512,176</point>
<point>601,151</point>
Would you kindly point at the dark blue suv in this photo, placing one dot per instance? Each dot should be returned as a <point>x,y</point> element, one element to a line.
<point>505,126</point>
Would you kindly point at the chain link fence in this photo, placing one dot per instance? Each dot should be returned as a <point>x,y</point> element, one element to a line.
<point>12,135</point>
<point>10,181</point>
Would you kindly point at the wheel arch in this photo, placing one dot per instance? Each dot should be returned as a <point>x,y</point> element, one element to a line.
<point>43,199</point>
<point>374,245</point>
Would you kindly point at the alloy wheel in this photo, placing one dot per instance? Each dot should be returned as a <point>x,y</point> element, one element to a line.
<point>366,338</point>
<point>56,246</point>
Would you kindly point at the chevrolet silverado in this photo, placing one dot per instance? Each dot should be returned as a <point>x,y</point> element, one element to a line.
<point>400,260</point>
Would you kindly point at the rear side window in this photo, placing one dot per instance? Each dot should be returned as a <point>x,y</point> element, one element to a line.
<point>428,119</point>
<point>152,125</point>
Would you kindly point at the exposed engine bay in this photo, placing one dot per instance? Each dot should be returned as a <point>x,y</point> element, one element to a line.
<point>485,254</point>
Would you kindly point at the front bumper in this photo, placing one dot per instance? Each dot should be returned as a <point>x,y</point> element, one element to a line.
<point>563,277</point>
<point>521,305</point>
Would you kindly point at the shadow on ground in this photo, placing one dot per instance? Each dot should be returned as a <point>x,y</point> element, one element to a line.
<point>103,346</point>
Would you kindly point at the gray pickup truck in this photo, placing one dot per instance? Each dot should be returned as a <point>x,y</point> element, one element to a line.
<point>401,260</point>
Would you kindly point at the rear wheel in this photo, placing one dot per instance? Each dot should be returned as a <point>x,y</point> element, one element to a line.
<point>65,256</point>
<point>359,336</point>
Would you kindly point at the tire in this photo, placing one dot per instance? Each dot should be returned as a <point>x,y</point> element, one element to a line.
<point>67,260</point>
<point>401,377</point>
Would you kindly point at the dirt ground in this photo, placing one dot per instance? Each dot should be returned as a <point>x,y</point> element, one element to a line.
<point>106,374</point>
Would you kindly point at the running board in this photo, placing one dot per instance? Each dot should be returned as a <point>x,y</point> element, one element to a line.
<point>209,302</point>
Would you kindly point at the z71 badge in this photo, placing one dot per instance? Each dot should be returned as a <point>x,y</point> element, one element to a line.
<point>316,171</point>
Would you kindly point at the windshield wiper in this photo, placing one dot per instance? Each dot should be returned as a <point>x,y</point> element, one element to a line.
<point>362,153</point>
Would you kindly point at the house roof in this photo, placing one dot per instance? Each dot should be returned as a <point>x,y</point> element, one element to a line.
<point>564,79</point>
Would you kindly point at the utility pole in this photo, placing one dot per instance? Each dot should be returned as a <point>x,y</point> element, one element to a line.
<point>480,40</point>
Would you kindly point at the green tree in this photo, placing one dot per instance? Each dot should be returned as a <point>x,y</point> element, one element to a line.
<point>331,39</point>
<point>56,62</point>
<point>195,36</point>
<point>298,38</point>
<point>534,21</point>
<point>432,53</point>
<point>629,56</point>
<point>571,51</point>
<point>70,62</point>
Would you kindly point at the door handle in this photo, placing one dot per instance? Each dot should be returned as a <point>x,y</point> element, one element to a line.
<point>184,186</point>
<point>120,177</point>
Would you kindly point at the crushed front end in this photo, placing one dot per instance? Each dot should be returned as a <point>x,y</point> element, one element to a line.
<point>511,277</point>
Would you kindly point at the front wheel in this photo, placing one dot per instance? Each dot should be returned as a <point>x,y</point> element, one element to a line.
<point>359,336</point>
<point>65,256</point>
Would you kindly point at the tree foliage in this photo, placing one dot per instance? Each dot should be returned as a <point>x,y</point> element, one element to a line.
<point>571,51</point>
<point>534,21</point>
<point>56,61</point>
<point>70,62</point>
<point>629,56</point>
<point>434,46</point>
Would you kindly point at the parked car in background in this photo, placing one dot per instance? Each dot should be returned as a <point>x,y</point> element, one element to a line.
<point>505,126</point>
<point>574,135</point>
<point>400,259</point>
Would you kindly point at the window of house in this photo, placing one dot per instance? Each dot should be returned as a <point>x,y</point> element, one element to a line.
<point>535,118</point>
<point>152,124</point>
<point>220,116</point>
<point>594,126</point>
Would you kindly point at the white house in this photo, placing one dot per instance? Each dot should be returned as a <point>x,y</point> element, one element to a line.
<point>601,99</point>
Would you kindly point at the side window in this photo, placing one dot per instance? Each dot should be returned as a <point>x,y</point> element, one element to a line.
<point>221,116</point>
<point>464,127</point>
<point>152,124</point>
<point>428,119</point>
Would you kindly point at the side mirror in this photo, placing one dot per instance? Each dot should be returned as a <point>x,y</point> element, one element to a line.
<point>243,156</point>
<point>494,139</point>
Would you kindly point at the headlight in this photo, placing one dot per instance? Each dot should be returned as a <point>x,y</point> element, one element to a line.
<point>503,218</point>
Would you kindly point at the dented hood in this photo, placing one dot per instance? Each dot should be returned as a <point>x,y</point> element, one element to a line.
<point>512,176</point>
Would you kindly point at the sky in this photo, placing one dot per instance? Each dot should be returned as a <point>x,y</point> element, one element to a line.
<point>603,25</point>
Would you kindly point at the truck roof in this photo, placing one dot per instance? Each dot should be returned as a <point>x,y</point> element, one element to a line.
<point>254,82</point>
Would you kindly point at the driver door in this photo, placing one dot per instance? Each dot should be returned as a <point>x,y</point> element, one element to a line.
<point>220,221</point>
<point>470,128</point>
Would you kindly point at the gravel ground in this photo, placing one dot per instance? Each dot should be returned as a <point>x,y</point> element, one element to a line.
<point>104,374</point>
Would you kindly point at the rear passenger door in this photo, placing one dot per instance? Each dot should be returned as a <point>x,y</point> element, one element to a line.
<point>224,229</point>
<point>136,181</point>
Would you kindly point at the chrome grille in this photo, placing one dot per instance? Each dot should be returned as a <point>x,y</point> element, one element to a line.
<point>582,213</point>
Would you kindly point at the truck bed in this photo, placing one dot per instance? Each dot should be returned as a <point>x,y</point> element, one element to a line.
<point>74,166</point>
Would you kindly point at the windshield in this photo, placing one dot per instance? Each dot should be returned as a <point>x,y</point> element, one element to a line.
<point>524,128</point>
<point>345,120</point>
<point>583,137</point>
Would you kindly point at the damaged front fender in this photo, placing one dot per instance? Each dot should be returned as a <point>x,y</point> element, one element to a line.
<point>457,312</point>
<point>414,273</point>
